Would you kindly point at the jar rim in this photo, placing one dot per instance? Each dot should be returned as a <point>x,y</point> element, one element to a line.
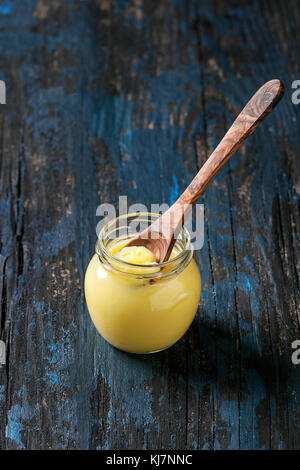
<point>182,259</point>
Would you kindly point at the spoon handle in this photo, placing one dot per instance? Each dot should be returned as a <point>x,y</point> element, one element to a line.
<point>255,111</point>
<point>168,225</point>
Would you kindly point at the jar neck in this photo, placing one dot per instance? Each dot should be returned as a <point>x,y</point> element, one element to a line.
<point>120,229</point>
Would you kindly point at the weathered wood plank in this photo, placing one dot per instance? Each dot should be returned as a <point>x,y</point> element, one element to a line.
<point>236,51</point>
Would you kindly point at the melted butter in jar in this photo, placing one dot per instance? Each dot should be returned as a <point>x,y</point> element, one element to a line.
<point>138,305</point>
<point>135,255</point>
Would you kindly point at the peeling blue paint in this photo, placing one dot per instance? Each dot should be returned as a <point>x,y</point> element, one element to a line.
<point>19,418</point>
<point>174,191</point>
<point>5,8</point>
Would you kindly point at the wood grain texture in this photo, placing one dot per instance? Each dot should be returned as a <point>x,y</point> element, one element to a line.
<point>110,97</point>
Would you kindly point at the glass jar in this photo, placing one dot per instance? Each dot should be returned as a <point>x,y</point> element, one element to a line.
<point>141,308</point>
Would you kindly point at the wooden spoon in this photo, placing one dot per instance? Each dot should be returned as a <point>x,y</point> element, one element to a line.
<point>160,236</point>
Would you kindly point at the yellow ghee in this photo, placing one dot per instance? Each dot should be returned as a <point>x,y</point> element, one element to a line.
<point>134,254</point>
<point>136,314</point>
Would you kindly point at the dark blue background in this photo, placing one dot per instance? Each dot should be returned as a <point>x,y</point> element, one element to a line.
<point>130,97</point>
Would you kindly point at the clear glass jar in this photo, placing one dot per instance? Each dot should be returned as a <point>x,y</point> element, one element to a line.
<point>141,308</point>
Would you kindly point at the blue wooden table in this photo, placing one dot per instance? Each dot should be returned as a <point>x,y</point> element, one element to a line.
<point>129,97</point>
